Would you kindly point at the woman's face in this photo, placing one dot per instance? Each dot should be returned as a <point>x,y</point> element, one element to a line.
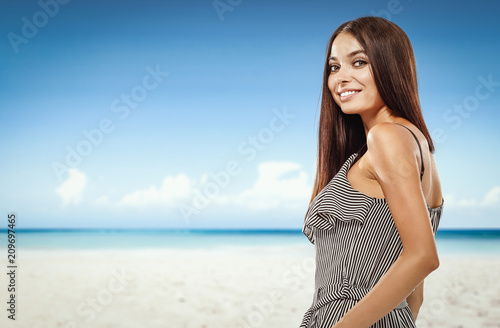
<point>351,80</point>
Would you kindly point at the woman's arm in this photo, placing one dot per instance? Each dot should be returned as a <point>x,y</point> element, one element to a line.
<point>415,300</point>
<point>393,158</point>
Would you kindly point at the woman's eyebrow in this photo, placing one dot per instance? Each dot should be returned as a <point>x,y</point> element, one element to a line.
<point>353,53</point>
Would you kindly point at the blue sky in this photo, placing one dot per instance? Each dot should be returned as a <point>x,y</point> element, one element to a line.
<point>194,115</point>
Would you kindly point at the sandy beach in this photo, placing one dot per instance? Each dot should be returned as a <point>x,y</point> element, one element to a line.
<point>240,287</point>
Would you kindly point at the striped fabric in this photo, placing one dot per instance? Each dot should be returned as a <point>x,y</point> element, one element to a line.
<point>356,242</point>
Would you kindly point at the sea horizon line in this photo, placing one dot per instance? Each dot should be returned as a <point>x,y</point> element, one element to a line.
<point>442,231</point>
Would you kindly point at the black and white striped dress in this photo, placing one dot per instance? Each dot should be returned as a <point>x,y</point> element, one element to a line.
<point>356,242</point>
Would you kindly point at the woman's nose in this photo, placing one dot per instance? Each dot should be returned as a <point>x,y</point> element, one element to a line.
<point>343,75</point>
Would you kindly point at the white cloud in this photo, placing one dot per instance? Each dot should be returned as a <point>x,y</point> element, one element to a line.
<point>171,190</point>
<point>490,199</point>
<point>71,189</point>
<point>273,189</point>
<point>103,200</point>
<point>278,185</point>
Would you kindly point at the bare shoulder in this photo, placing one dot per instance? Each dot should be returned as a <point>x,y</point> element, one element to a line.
<point>391,150</point>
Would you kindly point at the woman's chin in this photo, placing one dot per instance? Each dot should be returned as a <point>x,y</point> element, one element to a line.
<point>350,110</point>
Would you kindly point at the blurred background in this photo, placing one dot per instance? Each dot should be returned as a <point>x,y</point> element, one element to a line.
<point>204,114</point>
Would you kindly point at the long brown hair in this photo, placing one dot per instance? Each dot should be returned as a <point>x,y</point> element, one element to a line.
<point>394,71</point>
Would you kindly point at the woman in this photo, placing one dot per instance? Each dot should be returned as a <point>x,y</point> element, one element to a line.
<point>377,199</point>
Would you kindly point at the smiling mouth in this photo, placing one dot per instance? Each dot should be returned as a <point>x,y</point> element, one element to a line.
<point>346,95</point>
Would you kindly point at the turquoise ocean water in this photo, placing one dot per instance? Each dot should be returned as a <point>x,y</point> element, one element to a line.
<point>447,241</point>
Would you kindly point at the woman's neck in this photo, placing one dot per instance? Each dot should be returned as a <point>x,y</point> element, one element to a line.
<point>382,115</point>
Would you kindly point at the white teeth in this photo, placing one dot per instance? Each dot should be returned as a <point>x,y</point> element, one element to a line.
<point>346,93</point>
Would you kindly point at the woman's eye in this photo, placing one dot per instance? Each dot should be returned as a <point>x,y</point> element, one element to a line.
<point>334,68</point>
<point>360,63</point>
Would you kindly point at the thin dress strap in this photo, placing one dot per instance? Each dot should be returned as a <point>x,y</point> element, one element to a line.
<point>420,148</point>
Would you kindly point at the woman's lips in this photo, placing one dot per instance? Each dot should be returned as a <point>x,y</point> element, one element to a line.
<point>344,96</point>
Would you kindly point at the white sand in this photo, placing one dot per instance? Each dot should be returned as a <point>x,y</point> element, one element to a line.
<point>243,287</point>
